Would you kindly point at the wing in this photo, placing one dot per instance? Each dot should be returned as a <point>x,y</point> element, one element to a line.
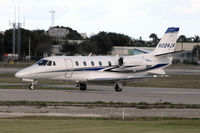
<point>124,79</point>
<point>157,71</point>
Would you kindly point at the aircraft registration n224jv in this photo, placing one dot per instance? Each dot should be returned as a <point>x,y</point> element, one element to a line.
<point>104,69</point>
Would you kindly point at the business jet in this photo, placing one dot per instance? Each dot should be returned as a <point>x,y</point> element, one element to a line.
<point>104,69</point>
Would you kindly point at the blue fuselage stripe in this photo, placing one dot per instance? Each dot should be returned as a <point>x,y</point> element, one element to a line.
<point>88,69</point>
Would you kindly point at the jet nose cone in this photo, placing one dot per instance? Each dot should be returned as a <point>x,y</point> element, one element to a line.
<point>19,74</point>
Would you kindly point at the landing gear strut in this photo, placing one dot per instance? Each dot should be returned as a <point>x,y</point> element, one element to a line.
<point>32,85</point>
<point>82,86</point>
<point>118,87</point>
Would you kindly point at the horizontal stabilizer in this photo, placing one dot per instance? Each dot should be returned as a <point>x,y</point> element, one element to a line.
<point>141,50</point>
<point>171,53</point>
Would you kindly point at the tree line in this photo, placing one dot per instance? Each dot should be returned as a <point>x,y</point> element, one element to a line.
<point>99,44</point>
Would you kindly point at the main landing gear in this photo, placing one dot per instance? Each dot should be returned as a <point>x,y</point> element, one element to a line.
<point>32,85</point>
<point>118,87</point>
<point>82,86</point>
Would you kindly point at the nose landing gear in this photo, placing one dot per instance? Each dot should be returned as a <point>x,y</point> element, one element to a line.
<point>32,85</point>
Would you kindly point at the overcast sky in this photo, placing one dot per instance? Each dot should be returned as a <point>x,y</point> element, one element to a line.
<point>132,17</point>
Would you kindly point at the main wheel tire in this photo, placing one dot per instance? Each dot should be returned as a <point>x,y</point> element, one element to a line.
<point>118,88</point>
<point>82,86</point>
<point>31,87</point>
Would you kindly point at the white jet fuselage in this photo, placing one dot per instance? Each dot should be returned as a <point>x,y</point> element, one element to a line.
<point>91,68</point>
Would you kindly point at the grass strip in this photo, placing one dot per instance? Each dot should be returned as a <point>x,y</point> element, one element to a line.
<point>18,64</point>
<point>140,105</point>
<point>98,125</point>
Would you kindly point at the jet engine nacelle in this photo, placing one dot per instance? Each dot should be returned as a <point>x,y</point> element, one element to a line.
<point>132,63</point>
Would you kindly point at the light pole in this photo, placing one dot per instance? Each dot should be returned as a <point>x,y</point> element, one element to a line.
<point>29,49</point>
<point>2,50</point>
<point>197,55</point>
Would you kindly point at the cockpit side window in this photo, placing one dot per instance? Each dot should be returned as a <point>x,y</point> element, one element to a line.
<point>49,63</point>
<point>42,62</point>
<point>54,63</point>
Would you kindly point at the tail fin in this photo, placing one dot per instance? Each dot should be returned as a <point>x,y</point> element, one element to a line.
<point>168,42</point>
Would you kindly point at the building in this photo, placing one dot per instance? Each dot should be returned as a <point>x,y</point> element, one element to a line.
<point>61,32</point>
<point>124,51</point>
<point>84,35</point>
<point>58,32</point>
<point>2,32</point>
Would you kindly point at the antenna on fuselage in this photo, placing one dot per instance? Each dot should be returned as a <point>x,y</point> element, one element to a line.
<point>90,54</point>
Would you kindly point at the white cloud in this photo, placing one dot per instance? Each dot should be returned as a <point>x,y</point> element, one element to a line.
<point>191,7</point>
<point>2,2</point>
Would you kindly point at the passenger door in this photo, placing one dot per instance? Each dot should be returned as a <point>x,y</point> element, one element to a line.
<point>69,67</point>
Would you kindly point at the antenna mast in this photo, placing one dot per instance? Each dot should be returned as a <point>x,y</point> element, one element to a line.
<point>16,25</point>
<point>13,24</point>
<point>52,12</point>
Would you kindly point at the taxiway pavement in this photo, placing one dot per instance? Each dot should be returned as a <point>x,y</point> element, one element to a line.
<point>106,94</point>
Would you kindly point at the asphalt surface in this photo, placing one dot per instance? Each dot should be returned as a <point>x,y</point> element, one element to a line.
<point>9,70</point>
<point>106,94</point>
<point>182,72</point>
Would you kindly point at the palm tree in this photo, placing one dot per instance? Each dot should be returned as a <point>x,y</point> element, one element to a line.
<point>182,38</point>
<point>196,38</point>
<point>155,39</point>
<point>196,52</point>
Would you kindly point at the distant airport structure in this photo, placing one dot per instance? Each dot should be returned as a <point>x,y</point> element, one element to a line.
<point>59,33</point>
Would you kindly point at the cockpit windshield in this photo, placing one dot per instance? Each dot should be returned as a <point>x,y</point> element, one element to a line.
<point>45,62</point>
<point>42,62</point>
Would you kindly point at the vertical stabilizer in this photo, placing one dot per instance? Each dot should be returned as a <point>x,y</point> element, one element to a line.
<point>168,42</point>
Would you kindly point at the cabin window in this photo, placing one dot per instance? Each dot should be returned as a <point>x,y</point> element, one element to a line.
<point>42,62</point>
<point>84,63</point>
<point>54,63</point>
<point>100,63</point>
<point>92,63</point>
<point>77,64</point>
<point>109,63</point>
<point>49,63</point>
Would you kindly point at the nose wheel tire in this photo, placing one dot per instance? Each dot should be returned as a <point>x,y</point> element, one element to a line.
<point>31,86</point>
